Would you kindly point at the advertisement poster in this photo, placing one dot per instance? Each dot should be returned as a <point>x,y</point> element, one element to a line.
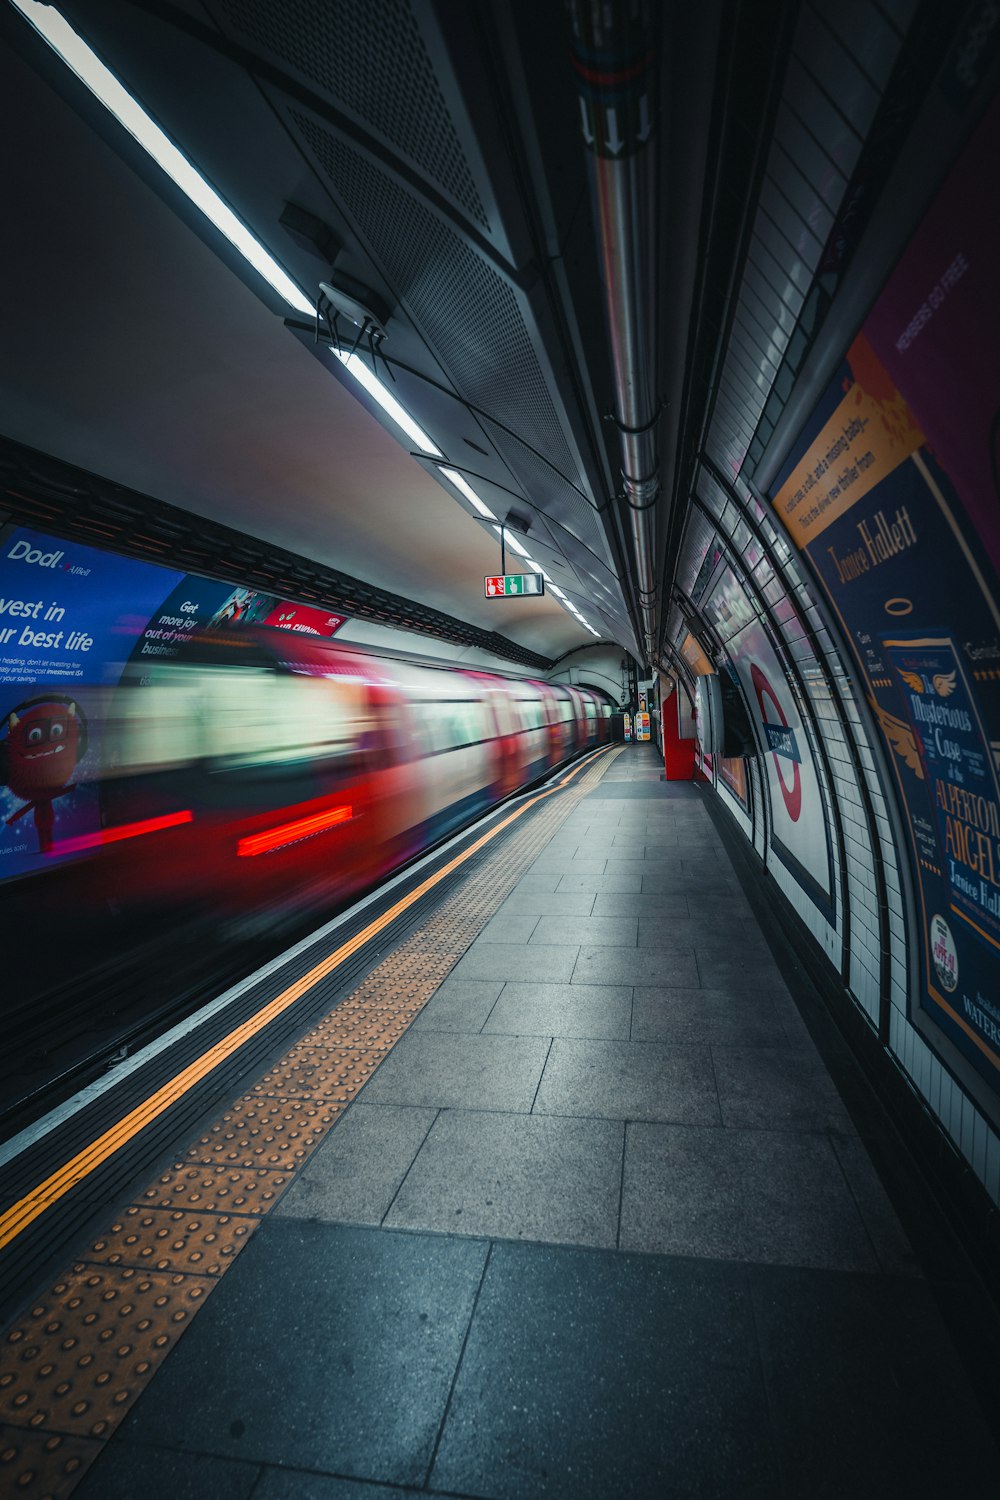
<point>304,619</point>
<point>892,495</point>
<point>202,605</point>
<point>733,773</point>
<point>703,725</point>
<point>71,619</point>
<point>799,834</point>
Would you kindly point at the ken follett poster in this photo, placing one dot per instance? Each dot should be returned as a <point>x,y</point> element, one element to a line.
<point>892,495</point>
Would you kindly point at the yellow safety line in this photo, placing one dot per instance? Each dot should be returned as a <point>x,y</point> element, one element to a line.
<point>17,1218</point>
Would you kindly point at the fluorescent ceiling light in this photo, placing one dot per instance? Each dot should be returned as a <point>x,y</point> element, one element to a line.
<point>84,62</point>
<point>456,479</point>
<point>512,541</point>
<point>87,66</point>
<point>380,393</point>
<point>553,587</point>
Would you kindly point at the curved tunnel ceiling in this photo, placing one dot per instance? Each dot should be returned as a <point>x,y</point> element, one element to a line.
<point>439,149</point>
<point>135,352</point>
<point>140,356</point>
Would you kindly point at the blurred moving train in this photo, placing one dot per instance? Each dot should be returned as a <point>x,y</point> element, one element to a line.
<point>264,769</point>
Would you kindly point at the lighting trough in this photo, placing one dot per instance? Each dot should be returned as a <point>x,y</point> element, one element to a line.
<point>102,83</point>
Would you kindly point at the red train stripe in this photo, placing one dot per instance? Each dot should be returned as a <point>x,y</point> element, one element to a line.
<point>290,833</point>
<point>123,831</point>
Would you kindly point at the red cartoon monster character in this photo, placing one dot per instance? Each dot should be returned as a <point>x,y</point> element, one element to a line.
<point>46,740</point>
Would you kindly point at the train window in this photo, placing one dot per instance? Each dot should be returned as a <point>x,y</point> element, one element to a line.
<point>530,714</point>
<point>270,718</point>
<point>233,718</point>
<point>503,717</point>
<point>426,728</point>
<point>449,725</point>
<point>149,726</point>
<point>447,733</point>
<point>432,728</point>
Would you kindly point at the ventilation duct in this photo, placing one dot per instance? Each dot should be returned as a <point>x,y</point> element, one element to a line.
<point>616,59</point>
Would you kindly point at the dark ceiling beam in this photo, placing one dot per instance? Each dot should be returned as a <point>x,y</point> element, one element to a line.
<point>621,131</point>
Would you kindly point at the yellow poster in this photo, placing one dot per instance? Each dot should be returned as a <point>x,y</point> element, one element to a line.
<point>871,432</point>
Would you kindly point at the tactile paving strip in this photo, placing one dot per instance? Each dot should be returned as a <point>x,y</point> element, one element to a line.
<point>73,1365</point>
<point>45,1465</point>
<point>76,1361</point>
<point>321,1072</point>
<point>213,1189</point>
<point>164,1239</point>
<point>265,1132</point>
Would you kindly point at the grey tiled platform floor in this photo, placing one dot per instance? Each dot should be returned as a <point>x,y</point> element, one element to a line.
<point>600,1225</point>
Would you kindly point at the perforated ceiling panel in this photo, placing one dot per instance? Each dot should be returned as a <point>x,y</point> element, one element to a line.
<point>469,316</point>
<point>371,59</point>
<point>676,624</point>
<point>698,538</point>
<point>571,511</point>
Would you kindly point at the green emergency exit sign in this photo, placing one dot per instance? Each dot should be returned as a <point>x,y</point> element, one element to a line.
<point>502,585</point>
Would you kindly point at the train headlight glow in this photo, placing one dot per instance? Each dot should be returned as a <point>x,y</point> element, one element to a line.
<point>292,833</point>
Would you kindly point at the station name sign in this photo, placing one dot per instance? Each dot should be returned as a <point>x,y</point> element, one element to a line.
<point>503,585</point>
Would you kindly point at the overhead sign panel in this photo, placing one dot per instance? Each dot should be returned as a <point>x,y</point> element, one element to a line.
<point>503,585</point>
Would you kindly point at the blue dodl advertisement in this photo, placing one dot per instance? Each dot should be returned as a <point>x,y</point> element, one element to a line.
<point>72,619</point>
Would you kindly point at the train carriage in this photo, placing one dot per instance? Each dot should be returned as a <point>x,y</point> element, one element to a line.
<point>268,769</point>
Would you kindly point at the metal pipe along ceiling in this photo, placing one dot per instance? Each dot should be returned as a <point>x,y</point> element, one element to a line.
<point>615,56</point>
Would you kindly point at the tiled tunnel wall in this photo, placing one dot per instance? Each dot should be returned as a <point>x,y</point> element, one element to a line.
<point>729,529</point>
<point>843,270</point>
